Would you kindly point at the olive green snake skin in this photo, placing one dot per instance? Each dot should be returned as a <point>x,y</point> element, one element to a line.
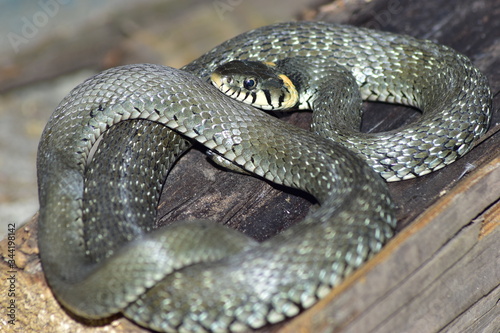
<point>98,251</point>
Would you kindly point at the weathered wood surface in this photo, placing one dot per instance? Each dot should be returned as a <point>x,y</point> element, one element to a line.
<point>441,272</point>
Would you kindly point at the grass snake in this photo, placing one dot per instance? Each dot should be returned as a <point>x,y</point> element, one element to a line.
<point>98,248</point>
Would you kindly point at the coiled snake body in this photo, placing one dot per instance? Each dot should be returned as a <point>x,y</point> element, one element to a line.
<point>98,252</point>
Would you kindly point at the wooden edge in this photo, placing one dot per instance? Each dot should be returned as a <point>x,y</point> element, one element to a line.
<point>483,312</point>
<point>452,206</point>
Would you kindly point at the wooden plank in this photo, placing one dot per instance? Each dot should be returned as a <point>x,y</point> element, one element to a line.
<point>431,271</point>
<point>456,278</point>
<point>484,316</point>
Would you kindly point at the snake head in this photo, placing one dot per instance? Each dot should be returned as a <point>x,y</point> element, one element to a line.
<point>256,83</point>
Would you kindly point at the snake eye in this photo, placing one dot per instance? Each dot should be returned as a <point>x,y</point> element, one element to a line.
<point>249,84</point>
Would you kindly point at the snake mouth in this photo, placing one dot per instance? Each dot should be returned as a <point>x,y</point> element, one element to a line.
<point>223,84</point>
<point>216,79</point>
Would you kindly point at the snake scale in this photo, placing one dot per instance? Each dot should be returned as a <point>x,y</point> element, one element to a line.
<point>98,248</point>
